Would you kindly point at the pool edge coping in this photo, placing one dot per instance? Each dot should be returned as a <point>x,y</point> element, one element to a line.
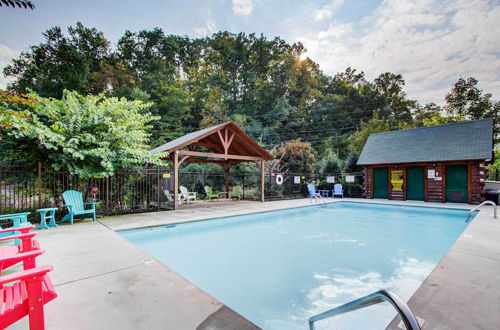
<point>391,325</point>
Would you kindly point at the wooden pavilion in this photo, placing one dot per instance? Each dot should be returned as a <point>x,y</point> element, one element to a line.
<point>225,144</point>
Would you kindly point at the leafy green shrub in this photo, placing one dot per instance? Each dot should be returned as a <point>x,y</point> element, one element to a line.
<point>90,136</point>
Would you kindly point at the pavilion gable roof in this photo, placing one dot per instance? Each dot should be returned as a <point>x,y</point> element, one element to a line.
<point>224,139</point>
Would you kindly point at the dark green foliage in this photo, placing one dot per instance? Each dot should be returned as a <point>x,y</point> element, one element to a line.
<point>264,85</point>
<point>19,3</point>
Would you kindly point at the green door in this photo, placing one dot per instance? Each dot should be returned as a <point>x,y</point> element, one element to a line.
<point>457,183</point>
<point>415,183</point>
<point>380,182</point>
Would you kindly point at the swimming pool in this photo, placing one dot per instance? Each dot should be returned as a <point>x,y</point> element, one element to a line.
<point>279,268</point>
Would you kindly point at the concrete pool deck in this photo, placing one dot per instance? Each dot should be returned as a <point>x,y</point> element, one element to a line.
<point>106,282</point>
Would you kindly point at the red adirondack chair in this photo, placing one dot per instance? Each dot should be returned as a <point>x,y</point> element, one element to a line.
<point>28,247</point>
<point>29,291</point>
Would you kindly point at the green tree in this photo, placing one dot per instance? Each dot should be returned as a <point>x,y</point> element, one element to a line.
<point>296,157</point>
<point>330,163</point>
<point>467,102</point>
<point>391,86</point>
<point>90,136</point>
<point>375,125</point>
<point>423,115</point>
<point>12,106</point>
<point>61,62</point>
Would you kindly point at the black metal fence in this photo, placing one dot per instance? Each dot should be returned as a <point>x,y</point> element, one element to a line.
<point>493,175</point>
<point>27,188</point>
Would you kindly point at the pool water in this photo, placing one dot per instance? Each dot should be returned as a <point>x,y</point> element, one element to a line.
<point>279,268</point>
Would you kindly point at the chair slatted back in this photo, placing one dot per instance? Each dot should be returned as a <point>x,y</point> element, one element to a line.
<point>73,198</point>
<point>338,188</point>
<point>183,190</point>
<point>236,190</point>
<point>311,188</point>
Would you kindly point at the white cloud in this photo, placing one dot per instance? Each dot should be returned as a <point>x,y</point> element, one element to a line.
<point>242,7</point>
<point>6,55</point>
<point>431,42</point>
<point>327,10</point>
<point>209,28</point>
<point>335,31</point>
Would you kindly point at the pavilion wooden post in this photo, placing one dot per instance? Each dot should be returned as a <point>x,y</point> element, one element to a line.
<point>227,167</point>
<point>262,180</point>
<point>176,179</point>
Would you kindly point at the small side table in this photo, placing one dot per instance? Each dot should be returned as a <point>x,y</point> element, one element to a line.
<point>223,193</point>
<point>323,193</point>
<point>43,217</point>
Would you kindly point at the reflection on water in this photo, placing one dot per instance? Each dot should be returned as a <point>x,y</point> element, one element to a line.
<point>341,287</point>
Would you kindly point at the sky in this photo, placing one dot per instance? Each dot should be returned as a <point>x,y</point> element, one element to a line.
<point>432,43</point>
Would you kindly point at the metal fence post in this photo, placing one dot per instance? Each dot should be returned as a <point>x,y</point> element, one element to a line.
<point>107,197</point>
<point>158,183</point>
<point>39,184</point>
<point>243,179</point>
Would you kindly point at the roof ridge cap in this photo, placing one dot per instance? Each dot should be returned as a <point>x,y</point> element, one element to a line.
<point>428,127</point>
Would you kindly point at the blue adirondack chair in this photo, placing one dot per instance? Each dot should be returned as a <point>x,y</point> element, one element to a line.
<point>18,220</point>
<point>312,191</point>
<point>74,202</point>
<point>338,190</point>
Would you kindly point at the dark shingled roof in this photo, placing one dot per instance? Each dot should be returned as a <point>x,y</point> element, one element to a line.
<point>457,141</point>
<point>185,138</point>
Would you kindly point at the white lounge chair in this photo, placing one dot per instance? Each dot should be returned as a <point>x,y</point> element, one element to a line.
<point>187,195</point>
<point>170,197</point>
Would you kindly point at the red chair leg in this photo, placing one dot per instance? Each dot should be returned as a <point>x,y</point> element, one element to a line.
<point>35,303</point>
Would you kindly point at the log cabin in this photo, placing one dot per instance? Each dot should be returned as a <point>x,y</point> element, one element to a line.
<point>444,163</point>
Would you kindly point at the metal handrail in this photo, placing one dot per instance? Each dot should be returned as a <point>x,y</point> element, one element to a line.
<point>319,199</point>
<point>478,206</point>
<point>409,320</point>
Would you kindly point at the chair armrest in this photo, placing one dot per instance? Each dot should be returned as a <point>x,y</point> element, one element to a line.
<point>69,206</point>
<point>15,215</point>
<point>23,230</point>
<point>92,204</point>
<point>21,256</point>
<point>19,236</point>
<point>26,274</point>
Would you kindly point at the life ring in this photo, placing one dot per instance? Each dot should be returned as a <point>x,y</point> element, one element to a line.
<point>279,179</point>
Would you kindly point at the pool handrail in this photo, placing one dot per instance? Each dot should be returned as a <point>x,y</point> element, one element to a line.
<point>409,320</point>
<point>478,206</point>
<point>319,199</point>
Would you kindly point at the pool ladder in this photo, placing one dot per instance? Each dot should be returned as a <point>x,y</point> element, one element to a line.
<point>409,320</point>
<point>319,200</point>
<point>469,214</point>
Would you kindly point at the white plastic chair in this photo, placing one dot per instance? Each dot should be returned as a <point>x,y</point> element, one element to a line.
<point>187,195</point>
<point>170,197</point>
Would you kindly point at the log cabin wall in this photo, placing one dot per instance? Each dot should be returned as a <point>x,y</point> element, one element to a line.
<point>478,178</point>
<point>368,181</point>
<point>434,188</point>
